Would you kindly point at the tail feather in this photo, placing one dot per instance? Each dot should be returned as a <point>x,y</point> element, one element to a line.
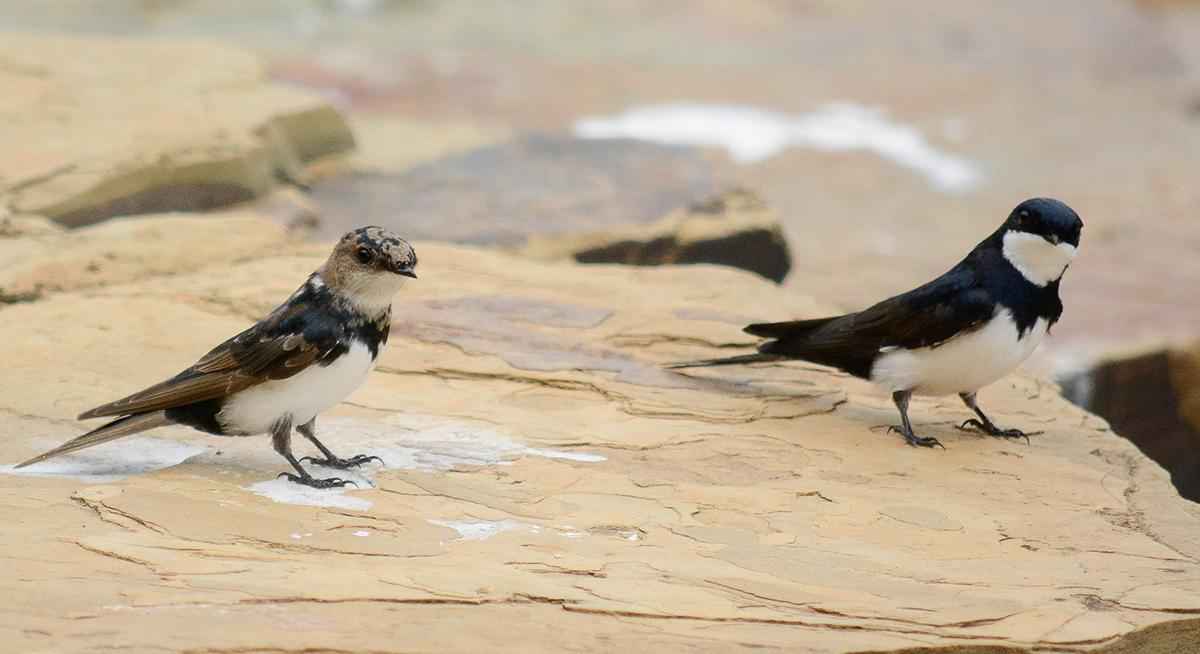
<point>790,331</point>
<point>728,361</point>
<point>784,329</point>
<point>118,428</point>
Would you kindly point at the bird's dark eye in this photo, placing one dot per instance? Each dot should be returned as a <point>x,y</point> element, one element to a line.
<point>363,255</point>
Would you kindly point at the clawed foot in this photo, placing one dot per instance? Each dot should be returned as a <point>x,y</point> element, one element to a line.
<point>342,464</point>
<point>313,482</point>
<point>914,440</point>
<point>992,430</point>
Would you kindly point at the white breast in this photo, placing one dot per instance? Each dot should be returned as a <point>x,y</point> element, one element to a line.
<point>302,395</point>
<point>963,364</point>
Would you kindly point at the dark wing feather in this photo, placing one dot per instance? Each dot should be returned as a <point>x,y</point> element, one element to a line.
<point>924,317</point>
<point>280,346</point>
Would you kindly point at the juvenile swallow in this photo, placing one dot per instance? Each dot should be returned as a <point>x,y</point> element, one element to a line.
<point>303,358</point>
<point>956,334</point>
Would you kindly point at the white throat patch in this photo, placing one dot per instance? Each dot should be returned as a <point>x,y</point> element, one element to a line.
<point>1037,259</point>
<point>374,294</point>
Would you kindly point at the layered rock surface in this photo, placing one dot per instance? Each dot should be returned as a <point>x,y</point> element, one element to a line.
<point>95,128</point>
<point>549,487</point>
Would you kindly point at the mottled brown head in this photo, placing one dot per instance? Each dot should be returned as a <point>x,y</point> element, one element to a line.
<point>375,248</point>
<point>369,265</point>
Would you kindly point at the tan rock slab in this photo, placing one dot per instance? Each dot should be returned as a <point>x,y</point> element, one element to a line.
<point>95,127</point>
<point>549,487</point>
<point>388,143</point>
<point>123,250</point>
<point>26,225</point>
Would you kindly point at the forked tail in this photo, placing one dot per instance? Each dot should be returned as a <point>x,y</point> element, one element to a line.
<point>757,357</point>
<point>792,329</point>
<point>126,426</point>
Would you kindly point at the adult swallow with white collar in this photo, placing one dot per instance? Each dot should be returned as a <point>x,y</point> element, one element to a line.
<point>956,334</point>
<point>303,358</point>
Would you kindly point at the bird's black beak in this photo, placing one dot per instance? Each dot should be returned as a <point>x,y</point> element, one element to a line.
<point>407,272</point>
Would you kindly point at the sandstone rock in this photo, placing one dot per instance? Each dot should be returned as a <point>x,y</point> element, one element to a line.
<point>132,248</point>
<point>291,208</point>
<point>735,229</point>
<point>95,128</point>
<point>550,487</point>
<point>389,144</point>
<point>534,185</point>
<point>26,225</point>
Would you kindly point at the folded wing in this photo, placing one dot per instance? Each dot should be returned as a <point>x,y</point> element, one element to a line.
<point>924,317</point>
<point>276,348</point>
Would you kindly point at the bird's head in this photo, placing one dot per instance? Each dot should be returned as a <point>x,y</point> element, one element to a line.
<point>1040,238</point>
<point>368,266</point>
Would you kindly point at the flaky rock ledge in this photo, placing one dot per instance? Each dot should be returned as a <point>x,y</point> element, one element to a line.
<point>550,487</point>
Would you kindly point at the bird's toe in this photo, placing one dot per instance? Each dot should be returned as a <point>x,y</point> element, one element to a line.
<point>972,423</point>
<point>924,441</point>
<point>342,464</point>
<point>313,482</point>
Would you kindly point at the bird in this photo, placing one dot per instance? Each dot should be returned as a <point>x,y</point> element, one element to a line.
<point>956,334</point>
<point>304,357</point>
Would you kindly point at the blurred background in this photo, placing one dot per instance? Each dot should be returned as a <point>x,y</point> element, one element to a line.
<point>853,149</point>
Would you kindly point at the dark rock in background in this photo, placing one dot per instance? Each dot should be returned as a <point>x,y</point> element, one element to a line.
<point>734,229</point>
<point>534,185</point>
<point>1153,399</point>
